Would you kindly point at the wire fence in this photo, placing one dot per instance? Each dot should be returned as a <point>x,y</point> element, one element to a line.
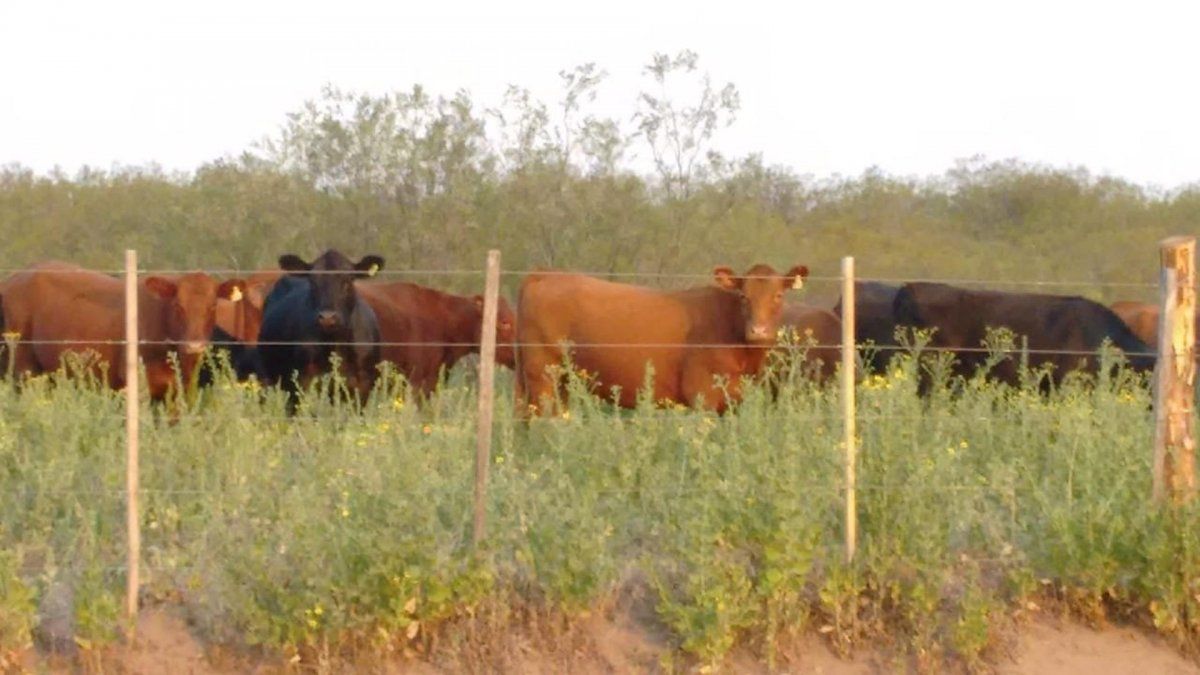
<point>842,486</point>
<point>610,274</point>
<point>591,345</point>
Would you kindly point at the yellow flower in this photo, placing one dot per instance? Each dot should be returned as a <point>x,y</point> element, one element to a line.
<point>398,404</point>
<point>345,512</point>
<point>427,429</point>
<point>318,609</point>
<point>963,444</point>
<point>566,414</point>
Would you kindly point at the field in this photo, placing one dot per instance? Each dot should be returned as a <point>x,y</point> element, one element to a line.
<point>339,535</point>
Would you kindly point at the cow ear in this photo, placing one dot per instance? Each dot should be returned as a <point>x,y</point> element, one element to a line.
<point>291,262</point>
<point>726,279</point>
<point>369,265</point>
<point>796,275</point>
<point>163,288</point>
<point>232,289</point>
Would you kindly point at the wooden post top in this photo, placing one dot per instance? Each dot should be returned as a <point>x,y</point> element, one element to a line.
<point>1177,252</point>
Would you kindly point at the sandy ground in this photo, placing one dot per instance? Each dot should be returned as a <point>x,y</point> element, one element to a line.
<point>1045,647</point>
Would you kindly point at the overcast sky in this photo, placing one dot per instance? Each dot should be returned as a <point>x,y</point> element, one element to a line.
<point>828,86</point>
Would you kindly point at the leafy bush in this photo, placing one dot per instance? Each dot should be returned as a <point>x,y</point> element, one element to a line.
<point>341,529</point>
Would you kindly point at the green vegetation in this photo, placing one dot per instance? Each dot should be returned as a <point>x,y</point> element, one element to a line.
<point>343,533</point>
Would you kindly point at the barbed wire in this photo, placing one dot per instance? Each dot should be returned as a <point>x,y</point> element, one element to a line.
<point>863,346</point>
<point>707,276</point>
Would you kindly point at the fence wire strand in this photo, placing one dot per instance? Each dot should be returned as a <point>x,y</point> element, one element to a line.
<point>694,276</point>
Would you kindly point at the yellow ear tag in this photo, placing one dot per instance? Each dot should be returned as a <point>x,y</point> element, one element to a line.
<point>236,295</point>
<point>374,268</point>
<point>798,283</point>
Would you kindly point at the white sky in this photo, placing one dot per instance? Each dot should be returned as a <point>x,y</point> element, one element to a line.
<point>828,86</point>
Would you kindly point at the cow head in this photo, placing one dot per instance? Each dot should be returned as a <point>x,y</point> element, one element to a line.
<point>761,292</point>
<point>243,319</point>
<point>506,330</point>
<point>191,305</point>
<point>331,277</point>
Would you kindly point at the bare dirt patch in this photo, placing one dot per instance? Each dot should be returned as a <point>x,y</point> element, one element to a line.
<point>164,645</point>
<point>1051,647</point>
<point>622,643</point>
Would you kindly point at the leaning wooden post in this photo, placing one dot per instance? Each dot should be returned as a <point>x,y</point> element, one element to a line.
<point>1175,374</point>
<point>849,356</point>
<point>487,398</point>
<point>132,518</point>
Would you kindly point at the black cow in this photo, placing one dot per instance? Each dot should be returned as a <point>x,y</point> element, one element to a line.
<point>1052,324</point>
<point>313,313</point>
<point>873,320</point>
<point>244,358</point>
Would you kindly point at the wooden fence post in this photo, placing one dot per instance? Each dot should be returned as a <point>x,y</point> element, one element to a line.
<point>1175,373</point>
<point>849,356</point>
<point>487,398</point>
<point>132,516</point>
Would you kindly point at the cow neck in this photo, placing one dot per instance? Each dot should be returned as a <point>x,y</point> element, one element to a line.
<point>153,314</point>
<point>462,326</point>
<point>755,358</point>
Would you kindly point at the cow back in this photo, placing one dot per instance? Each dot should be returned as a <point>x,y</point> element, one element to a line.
<point>1058,330</point>
<point>874,320</point>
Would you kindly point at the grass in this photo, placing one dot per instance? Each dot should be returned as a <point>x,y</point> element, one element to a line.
<point>343,533</point>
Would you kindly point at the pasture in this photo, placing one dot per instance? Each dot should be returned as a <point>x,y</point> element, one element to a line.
<point>336,534</point>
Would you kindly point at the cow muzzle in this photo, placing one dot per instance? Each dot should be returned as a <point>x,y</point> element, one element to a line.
<point>328,321</point>
<point>759,333</point>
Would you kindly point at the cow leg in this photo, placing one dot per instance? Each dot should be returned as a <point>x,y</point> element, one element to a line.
<point>519,393</point>
<point>23,360</point>
<point>540,384</point>
<point>699,386</point>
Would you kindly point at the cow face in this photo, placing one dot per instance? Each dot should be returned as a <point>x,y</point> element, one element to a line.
<point>761,293</point>
<point>331,277</point>
<point>191,304</point>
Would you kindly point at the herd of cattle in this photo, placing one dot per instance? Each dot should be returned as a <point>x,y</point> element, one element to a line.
<point>283,327</point>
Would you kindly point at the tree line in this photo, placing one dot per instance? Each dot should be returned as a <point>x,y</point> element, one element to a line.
<point>431,182</point>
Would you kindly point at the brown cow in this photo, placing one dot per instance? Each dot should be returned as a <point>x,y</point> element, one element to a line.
<point>689,337</point>
<point>1142,319</point>
<point>821,331</point>
<point>57,308</point>
<point>425,330</point>
<point>243,320</point>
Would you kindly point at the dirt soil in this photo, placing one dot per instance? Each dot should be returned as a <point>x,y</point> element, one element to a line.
<point>1045,646</point>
